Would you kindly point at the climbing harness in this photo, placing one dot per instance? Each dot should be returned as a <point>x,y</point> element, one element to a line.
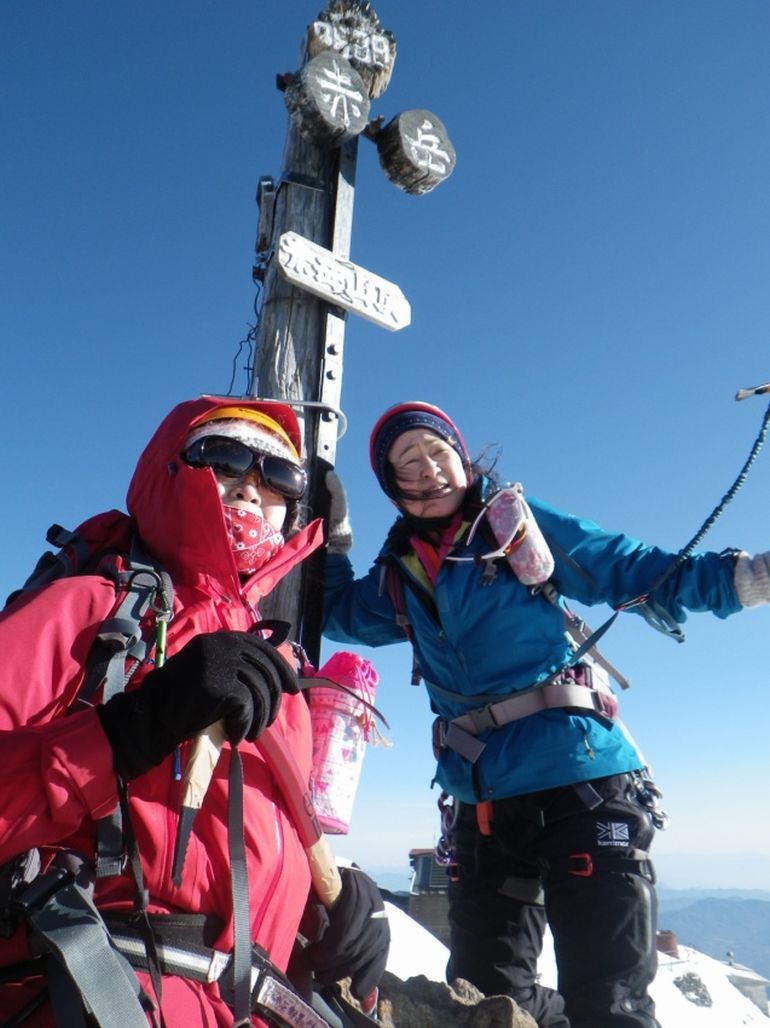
<point>183,948</point>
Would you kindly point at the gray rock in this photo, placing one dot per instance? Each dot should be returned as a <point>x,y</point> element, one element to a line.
<point>694,988</point>
<point>421,1003</point>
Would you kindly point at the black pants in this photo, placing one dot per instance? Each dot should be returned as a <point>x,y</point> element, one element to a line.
<point>577,857</point>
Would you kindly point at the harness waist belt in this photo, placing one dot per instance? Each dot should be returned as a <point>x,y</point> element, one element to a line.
<point>271,993</point>
<point>548,697</point>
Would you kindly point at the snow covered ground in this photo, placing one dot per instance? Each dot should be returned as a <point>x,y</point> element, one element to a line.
<point>414,951</point>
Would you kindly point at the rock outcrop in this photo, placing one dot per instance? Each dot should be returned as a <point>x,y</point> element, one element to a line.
<point>421,1003</point>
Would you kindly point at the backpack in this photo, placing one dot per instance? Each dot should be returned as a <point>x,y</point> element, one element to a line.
<point>108,544</point>
<point>79,552</point>
<point>53,900</point>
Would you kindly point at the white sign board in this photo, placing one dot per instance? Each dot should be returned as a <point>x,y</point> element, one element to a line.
<point>321,272</point>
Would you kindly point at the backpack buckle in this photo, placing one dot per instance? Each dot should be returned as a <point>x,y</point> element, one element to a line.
<point>40,890</point>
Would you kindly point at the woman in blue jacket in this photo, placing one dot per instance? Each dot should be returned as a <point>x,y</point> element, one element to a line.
<point>554,812</point>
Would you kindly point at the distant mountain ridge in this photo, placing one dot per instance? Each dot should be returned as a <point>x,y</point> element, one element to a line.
<point>684,897</point>
<point>718,921</point>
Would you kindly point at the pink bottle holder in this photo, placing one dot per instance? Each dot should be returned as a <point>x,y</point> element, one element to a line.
<point>342,725</point>
<point>518,534</point>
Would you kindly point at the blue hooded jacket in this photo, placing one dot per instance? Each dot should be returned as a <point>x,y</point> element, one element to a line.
<point>498,637</point>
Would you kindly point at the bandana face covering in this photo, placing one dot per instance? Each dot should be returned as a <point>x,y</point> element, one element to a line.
<point>252,539</point>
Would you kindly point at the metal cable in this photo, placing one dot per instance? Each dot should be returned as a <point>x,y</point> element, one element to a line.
<point>685,552</point>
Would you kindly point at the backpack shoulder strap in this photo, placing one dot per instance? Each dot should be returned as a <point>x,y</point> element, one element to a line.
<point>64,922</point>
<point>140,586</point>
<point>392,584</point>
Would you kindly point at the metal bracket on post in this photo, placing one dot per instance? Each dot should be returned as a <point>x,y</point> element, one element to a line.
<point>266,193</point>
<point>329,393</point>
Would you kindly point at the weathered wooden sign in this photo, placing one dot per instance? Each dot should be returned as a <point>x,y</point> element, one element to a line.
<point>327,100</point>
<point>369,48</point>
<point>340,282</point>
<point>415,151</point>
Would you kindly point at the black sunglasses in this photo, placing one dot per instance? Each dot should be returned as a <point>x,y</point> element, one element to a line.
<point>234,459</point>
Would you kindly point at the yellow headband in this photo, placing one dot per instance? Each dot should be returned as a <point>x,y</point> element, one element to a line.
<point>248,414</point>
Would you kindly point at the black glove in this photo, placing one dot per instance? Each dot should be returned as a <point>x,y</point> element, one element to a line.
<point>232,677</point>
<point>340,533</point>
<point>353,936</point>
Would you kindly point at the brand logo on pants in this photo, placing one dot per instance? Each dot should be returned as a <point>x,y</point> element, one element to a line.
<point>612,833</point>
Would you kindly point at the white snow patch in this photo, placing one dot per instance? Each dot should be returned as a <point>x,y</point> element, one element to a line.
<point>414,951</point>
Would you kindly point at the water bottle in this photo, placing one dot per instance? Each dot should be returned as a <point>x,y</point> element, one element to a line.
<point>342,725</point>
<point>518,534</point>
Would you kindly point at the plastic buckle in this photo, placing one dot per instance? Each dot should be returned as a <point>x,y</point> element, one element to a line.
<point>439,736</point>
<point>483,718</point>
<point>588,865</point>
<point>40,890</point>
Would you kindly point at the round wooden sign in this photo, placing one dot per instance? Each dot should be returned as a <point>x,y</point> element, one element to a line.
<point>415,151</point>
<point>327,100</point>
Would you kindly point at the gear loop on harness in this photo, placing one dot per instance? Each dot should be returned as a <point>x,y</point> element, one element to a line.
<point>586,865</point>
<point>449,811</point>
<point>649,796</point>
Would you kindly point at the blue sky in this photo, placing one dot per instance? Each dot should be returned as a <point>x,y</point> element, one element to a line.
<point>588,291</point>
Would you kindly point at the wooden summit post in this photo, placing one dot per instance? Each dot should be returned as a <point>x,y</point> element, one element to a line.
<point>303,245</point>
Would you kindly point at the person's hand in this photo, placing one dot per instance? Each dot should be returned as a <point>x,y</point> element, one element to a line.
<point>233,677</point>
<point>339,534</point>
<point>352,936</point>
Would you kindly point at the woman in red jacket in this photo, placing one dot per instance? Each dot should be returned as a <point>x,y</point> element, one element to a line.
<point>213,501</point>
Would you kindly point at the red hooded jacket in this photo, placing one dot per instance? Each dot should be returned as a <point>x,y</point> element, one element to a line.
<point>56,774</point>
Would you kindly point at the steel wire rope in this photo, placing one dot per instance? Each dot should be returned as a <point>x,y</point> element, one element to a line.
<point>727,498</point>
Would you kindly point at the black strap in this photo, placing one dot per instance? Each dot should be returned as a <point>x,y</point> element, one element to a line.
<point>585,865</point>
<point>194,934</point>
<point>240,893</point>
<point>140,899</point>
